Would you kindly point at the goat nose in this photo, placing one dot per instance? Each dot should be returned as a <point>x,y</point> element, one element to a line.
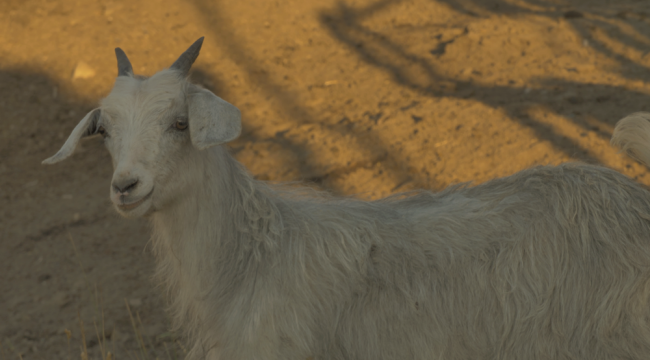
<point>124,185</point>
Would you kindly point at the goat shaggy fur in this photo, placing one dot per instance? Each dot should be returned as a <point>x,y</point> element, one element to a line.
<point>549,263</point>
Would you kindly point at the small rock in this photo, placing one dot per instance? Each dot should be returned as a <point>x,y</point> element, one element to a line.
<point>135,302</point>
<point>83,71</point>
<point>76,217</point>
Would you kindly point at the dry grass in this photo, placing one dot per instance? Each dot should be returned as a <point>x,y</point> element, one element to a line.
<point>166,346</point>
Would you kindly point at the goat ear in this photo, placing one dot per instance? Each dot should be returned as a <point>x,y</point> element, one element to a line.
<point>212,120</point>
<point>86,127</point>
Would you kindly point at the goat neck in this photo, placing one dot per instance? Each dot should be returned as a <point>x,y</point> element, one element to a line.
<point>223,223</point>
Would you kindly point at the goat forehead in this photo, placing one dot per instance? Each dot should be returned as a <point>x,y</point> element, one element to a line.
<point>140,99</point>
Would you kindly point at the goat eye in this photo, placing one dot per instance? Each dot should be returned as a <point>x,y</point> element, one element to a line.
<point>180,125</point>
<point>101,131</point>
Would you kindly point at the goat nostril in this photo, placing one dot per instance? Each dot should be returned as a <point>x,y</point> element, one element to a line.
<point>125,185</point>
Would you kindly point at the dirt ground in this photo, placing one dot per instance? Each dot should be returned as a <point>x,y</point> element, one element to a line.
<point>363,98</point>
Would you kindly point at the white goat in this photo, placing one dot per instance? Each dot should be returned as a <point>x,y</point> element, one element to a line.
<point>549,263</point>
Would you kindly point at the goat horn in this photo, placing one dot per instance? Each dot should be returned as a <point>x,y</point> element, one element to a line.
<point>187,58</point>
<point>124,67</point>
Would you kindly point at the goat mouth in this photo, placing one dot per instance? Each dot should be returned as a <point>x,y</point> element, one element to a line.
<point>135,204</point>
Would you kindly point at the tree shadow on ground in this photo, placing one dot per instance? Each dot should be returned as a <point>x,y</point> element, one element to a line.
<point>36,204</point>
<point>627,27</point>
<point>299,114</point>
<point>38,114</point>
<point>346,24</point>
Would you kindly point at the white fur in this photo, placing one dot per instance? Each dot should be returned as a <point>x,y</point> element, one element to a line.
<point>549,263</point>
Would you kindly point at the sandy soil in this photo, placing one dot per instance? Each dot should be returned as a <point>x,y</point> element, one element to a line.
<point>362,98</point>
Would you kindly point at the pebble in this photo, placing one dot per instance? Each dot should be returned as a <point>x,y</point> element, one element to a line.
<point>83,71</point>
